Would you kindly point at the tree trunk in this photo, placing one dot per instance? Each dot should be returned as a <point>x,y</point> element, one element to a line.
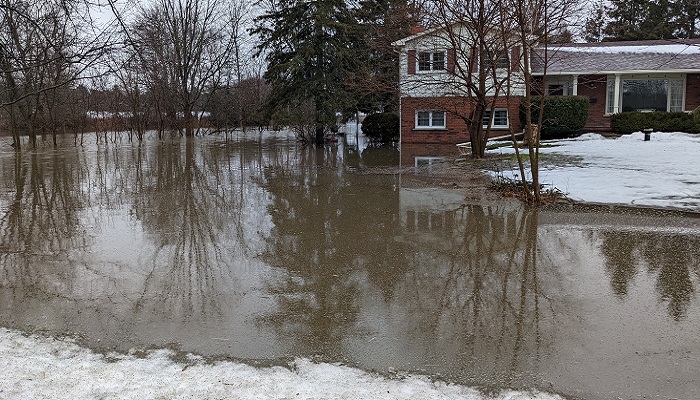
<point>319,140</point>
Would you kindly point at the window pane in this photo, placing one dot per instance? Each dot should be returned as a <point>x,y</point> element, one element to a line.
<point>503,61</point>
<point>423,118</point>
<point>644,95</point>
<point>611,96</point>
<point>555,89</point>
<point>438,60</point>
<point>500,58</point>
<point>438,118</point>
<point>500,118</point>
<point>487,117</point>
<point>424,61</point>
<point>675,93</point>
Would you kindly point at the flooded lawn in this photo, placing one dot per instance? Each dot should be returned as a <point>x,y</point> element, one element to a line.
<point>259,250</point>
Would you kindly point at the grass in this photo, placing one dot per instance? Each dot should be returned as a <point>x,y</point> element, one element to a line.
<point>515,188</point>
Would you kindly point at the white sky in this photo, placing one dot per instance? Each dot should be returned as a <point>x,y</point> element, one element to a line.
<point>662,172</point>
<point>43,368</point>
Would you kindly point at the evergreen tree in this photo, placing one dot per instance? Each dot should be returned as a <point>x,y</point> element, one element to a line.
<point>309,47</point>
<point>639,20</point>
<point>687,17</point>
<point>595,23</point>
<point>381,22</point>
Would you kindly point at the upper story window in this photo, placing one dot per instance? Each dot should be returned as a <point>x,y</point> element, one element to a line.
<point>431,61</point>
<point>500,58</point>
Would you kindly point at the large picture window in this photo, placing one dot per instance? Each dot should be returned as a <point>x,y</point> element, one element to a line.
<point>430,119</point>
<point>431,61</point>
<point>646,95</point>
<point>498,118</point>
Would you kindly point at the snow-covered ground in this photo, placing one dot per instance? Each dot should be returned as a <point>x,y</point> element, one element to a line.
<point>35,367</point>
<point>661,172</point>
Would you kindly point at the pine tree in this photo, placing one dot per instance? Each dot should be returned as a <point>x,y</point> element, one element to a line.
<point>593,28</point>
<point>309,49</point>
<point>687,18</point>
<point>381,22</point>
<point>639,20</point>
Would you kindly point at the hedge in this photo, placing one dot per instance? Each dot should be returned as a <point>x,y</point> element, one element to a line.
<point>628,122</point>
<point>382,126</point>
<point>563,115</point>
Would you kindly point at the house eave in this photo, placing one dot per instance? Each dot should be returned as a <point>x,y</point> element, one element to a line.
<point>620,72</point>
<point>403,42</point>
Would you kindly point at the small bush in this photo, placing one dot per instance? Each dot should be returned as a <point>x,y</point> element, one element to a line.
<point>563,115</point>
<point>628,122</point>
<point>696,115</point>
<point>383,127</point>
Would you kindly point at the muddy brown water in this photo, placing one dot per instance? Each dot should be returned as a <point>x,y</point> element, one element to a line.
<point>259,250</point>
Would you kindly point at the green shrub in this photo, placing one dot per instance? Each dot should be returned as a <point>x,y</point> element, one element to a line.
<point>563,115</point>
<point>696,115</point>
<point>628,122</point>
<point>382,126</point>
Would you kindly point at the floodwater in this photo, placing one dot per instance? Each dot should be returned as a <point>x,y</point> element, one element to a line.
<point>259,250</point>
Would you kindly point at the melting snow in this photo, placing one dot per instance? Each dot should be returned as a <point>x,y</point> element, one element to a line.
<point>34,367</point>
<point>656,49</point>
<point>662,172</point>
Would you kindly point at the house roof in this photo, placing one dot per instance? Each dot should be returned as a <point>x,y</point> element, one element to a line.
<point>648,56</point>
<point>419,32</point>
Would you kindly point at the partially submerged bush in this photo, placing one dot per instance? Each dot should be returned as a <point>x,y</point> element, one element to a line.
<point>382,126</point>
<point>563,115</point>
<point>628,122</point>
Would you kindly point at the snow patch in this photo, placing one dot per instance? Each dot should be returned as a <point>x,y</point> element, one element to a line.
<point>35,367</point>
<point>662,172</point>
<point>655,49</point>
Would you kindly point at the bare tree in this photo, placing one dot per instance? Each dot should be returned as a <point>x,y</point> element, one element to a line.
<point>45,48</point>
<point>486,70</point>
<point>476,68</point>
<point>185,48</point>
<point>534,24</point>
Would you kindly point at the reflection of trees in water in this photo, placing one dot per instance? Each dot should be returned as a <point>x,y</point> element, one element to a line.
<point>468,278</point>
<point>189,196</point>
<point>671,257</point>
<point>193,204</point>
<point>479,287</point>
<point>328,225</point>
<point>40,221</point>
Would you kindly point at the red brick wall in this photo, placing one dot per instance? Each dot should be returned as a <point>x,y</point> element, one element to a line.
<point>456,129</point>
<point>692,92</point>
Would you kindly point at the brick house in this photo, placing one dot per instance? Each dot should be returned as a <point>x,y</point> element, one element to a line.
<point>658,75</point>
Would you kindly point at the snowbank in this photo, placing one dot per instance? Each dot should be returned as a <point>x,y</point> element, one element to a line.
<point>679,48</point>
<point>36,367</point>
<point>662,172</point>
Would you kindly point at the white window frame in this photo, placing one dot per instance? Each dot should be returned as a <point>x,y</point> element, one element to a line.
<point>432,61</point>
<point>502,63</point>
<point>492,117</point>
<point>430,119</point>
<point>677,82</point>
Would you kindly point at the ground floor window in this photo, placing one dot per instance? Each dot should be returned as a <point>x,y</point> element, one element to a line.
<point>430,119</point>
<point>646,94</point>
<point>498,118</point>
